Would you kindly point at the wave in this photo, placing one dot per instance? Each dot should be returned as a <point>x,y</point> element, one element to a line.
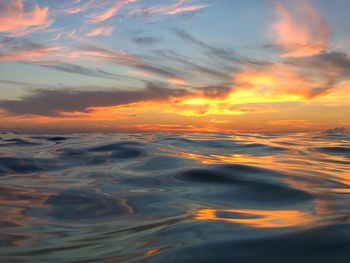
<point>175,197</point>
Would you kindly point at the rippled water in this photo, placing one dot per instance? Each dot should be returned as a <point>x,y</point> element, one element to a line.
<point>171,197</point>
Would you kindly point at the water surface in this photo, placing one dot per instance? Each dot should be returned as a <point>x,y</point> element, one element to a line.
<point>171,197</point>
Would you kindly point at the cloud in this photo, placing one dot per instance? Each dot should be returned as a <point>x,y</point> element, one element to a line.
<point>214,92</point>
<point>300,29</point>
<point>280,82</point>
<point>24,51</point>
<point>330,69</point>
<point>77,7</point>
<point>55,57</point>
<point>333,64</point>
<point>111,11</point>
<point>80,70</point>
<point>15,20</point>
<point>45,102</point>
<point>112,55</point>
<point>25,84</point>
<point>160,71</point>
<point>190,66</point>
<point>100,31</point>
<point>182,9</point>
<point>52,58</point>
<point>146,40</point>
<point>127,59</point>
<point>159,11</point>
<point>210,49</point>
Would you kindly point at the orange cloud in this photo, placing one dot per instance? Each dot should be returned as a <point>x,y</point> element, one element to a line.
<point>17,21</point>
<point>300,29</point>
<point>178,81</point>
<point>103,31</point>
<point>278,83</point>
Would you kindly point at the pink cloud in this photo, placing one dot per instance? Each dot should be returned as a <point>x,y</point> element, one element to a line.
<point>111,55</point>
<point>300,29</point>
<point>112,11</point>
<point>100,31</point>
<point>78,7</point>
<point>28,52</point>
<point>163,8</point>
<point>186,9</point>
<point>172,9</point>
<point>15,20</point>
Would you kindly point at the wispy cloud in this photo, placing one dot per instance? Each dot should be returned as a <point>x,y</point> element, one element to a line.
<point>16,20</point>
<point>113,55</point>
<point>25,50</point>
<point>211,50</point>
<point>77,6</point>
<point>111,11</point>
<point>81,70</point>
<point>182,9</point>
<point>300,29</point>
<point>156,12</point>
<point>194,67</point>
<point>124,58</point>
<point>100,31</point>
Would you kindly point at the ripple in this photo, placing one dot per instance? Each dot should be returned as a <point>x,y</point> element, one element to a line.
<point>52,138</point>
<point>260,149</point>
<point>245,183</point>
<point>335,150</point>
<point>18,142</point>
<point>83,204</point>
<point>122,150</point>
<point>174,197</point>
<point>326,244</point>
<point>115,146</point>
<point>10,165</point>
<point>164,163</point>
<point>184,142</point>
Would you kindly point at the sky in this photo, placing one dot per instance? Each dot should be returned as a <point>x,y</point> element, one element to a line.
<point>174,65</point>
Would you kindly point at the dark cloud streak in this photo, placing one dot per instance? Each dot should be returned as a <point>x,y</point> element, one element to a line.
<point>80,70</point>
<point>45,102</point>
<point>212,50</point>
<point>146,40</point>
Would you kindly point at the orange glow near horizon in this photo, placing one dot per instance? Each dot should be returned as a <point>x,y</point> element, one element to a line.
<point>271,109</point>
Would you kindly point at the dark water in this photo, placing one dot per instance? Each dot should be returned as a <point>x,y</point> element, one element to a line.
<point>173,197</point>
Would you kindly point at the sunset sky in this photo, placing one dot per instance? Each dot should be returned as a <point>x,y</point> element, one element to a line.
<point>177,65</point>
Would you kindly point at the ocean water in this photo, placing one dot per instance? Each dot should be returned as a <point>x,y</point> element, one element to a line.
<point>174,197</point>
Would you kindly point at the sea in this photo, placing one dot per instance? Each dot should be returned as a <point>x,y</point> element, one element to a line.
<point>175,197</point>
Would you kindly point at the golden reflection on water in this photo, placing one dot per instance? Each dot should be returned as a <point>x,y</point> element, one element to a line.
<point>297,169</point>
<point>232,158</point>
<point>258,218</point>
